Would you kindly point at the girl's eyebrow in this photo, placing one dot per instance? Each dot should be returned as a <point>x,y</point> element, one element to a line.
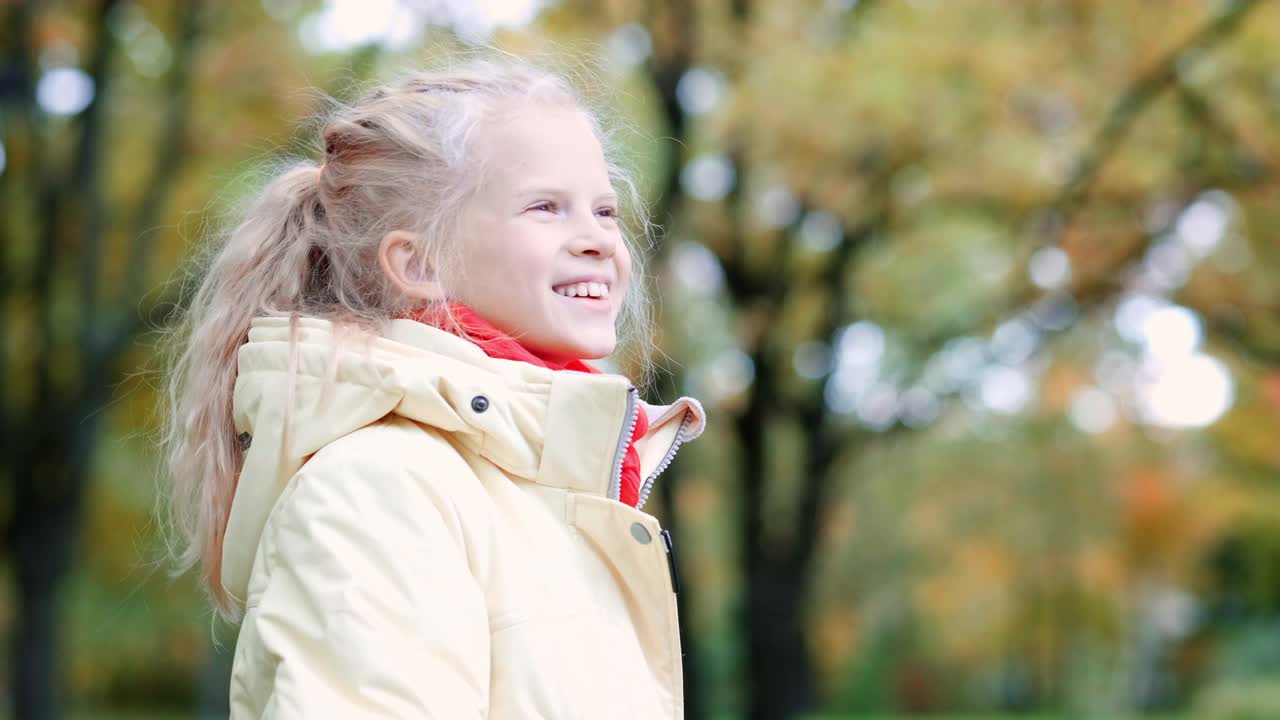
<point>550,190</point>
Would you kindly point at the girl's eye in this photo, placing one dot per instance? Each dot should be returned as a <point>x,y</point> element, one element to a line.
<point>548,206</point>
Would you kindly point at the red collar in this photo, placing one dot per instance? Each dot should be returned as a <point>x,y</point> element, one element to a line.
<point>467,323</point>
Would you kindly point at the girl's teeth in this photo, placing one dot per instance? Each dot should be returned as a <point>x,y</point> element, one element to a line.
<point>597,290</point>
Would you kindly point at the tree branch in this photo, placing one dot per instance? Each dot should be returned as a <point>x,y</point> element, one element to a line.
<point>826,442</point>
<point>1070,199</point>
<point>1200,111</point>
<point>1119,120</point>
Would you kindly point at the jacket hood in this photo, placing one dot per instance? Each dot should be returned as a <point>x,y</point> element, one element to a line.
<point>553,428</point>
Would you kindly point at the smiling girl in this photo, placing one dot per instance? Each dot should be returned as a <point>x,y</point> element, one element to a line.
<point>389,458</point>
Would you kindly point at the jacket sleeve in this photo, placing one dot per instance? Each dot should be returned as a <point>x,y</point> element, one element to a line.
<point>370,609</point>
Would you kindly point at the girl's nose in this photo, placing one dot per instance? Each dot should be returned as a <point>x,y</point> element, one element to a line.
<point>593,248</point>
<point>594,240</point>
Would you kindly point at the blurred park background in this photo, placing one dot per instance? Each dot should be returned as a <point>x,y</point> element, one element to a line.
<point>982,297</point>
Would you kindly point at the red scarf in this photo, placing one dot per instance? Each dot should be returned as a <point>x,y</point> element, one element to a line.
<point>497,344</point>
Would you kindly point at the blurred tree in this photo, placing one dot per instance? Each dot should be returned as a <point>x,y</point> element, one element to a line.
<point>64,336</point>
<point>834,151</point>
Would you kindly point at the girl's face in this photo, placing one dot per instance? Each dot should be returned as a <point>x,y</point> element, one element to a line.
<point>543,256</point>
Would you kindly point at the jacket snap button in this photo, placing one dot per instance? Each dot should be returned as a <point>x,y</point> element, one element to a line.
<point>641,533</point>
<point>244,439</point>
<point>479,403</point>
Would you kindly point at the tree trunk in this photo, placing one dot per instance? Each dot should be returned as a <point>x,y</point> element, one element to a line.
<point>43,534</point>
<point>779,673</point>
<point>49,487</point>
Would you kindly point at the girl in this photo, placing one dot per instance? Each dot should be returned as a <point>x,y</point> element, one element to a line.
<point>390,459</point>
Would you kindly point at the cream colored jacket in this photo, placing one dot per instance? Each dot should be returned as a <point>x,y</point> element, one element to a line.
<point>440,538</point>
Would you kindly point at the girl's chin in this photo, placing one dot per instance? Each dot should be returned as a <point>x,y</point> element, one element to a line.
<point>590,352</point>
<point>580,349</point>
<point>601,347</point>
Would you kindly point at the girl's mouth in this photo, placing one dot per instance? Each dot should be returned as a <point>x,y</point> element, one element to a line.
<point>593,290</point>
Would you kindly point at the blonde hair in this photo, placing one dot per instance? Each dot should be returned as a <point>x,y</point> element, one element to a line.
<point>402,157</point>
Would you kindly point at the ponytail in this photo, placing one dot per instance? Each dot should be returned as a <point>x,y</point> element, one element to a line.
<point>268,264</point>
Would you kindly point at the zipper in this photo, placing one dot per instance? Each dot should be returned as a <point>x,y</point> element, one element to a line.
<point>624,440</point>
<point>671,560</point>
<point>647,487</point>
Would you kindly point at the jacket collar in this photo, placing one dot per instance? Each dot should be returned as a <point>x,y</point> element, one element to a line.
<point>559,429</point>
<point>555,428</point>
<point>583,417</point>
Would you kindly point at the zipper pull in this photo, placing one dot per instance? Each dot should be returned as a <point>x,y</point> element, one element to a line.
<point>671,561</point>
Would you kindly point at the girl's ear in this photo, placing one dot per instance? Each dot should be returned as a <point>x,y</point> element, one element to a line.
<point>398,255</point>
